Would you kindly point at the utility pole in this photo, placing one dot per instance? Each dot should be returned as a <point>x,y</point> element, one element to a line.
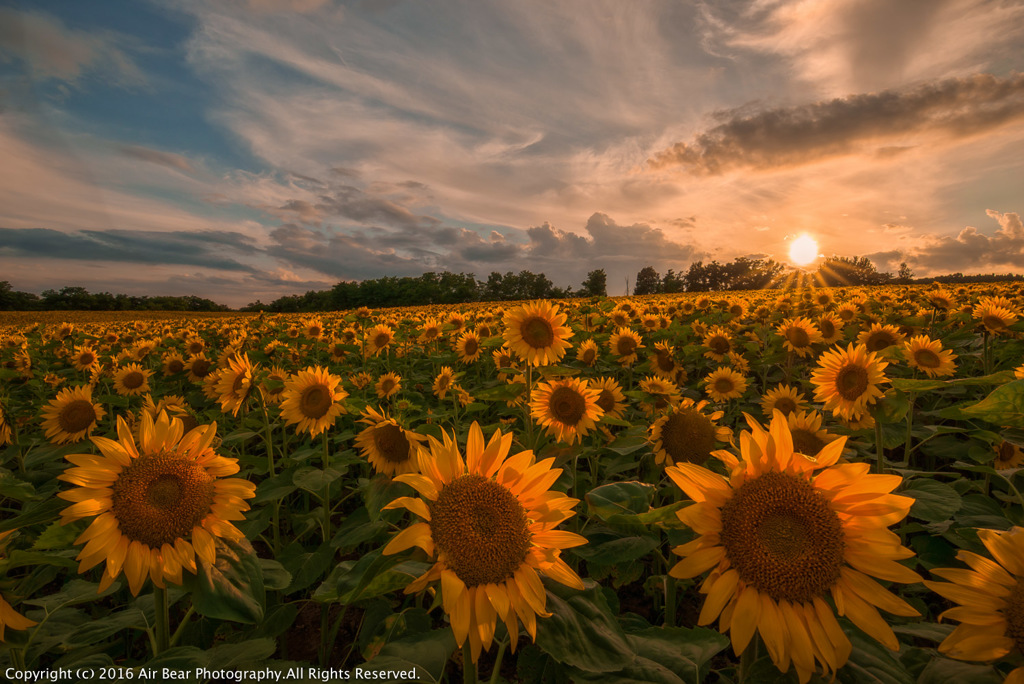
<point>627,286</point>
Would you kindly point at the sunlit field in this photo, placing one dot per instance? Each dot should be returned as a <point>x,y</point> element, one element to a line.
<point>766,486</point>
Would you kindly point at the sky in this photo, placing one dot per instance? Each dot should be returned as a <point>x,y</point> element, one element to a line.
<point>249,149</point>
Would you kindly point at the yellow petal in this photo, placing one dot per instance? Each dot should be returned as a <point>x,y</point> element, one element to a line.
<point>875,594</point>
<point>699,562</point>
<point>864,615</point>
<point>744,619</point>
<point>414,535</point>
<point>718,595</point>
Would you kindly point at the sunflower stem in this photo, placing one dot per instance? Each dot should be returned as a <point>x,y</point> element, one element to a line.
<point>327,491</point>
<point>670,600</point>
<point>495,671</point>
<point>162,625</point>
<point>879,449</point>
<point>910,424</point>
<point>181,626</point>
<point>468,666</point>
<point>986,354</point>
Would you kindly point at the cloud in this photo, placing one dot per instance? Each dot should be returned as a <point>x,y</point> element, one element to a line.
<point>168,159</point>
<point>206,249</point>
<point>954,108</point>
<point>50,50</point>
<point>277,6</point>
<point>971,250</point>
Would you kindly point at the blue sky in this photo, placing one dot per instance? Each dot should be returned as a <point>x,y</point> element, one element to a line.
<point>253,148</point>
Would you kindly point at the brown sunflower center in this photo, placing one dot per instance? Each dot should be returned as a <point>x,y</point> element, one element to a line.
<point>381,340</point>
<point>879,340</point>
<point>315,401</point>
<point>237,384</point>
<point>133,380</point>
<point>993,322</point>
<point>689,436</point>
<point>391,442</point>
<point>806,442</point>
<point>828,328</point>
<point>606,400</point>
<point>589,355</point>
<point>665,362</point>
<point>798,337</point>
<point>537,332</point>
<point>471,347</point>
<point>443,382</point>
<point>86,358</point>
<point>851,382</point>
<point>784,404</point>
<point>386,385</point>
<point>719,345</point>
<point>201,368</point>
<point>1014,613</point>
<point>481,530</point>
<point>195,347</point>
<point>567,406</point>
<point>625,346</point>
<point>175,366</point>
<point>504,361</point>
<point>782,537</point>
<point>76,416</point>
<point>724,384</point>
<point>846,314</point>
<point>160,498</point>
<point>926,358</point>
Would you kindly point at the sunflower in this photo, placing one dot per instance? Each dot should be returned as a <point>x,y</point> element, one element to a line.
<point>175,406</point>
<point>172,363</point>
<point>443,382</point>
<point>723,384</point>
<point>847,380</point>
<point>798,335</point>
<point>377,339</point>
<point>610,398</point>
<point>72,416</point>
<point>663,362</point>
<point>336,348</point>
<point>361,380</point>
<point>5,429</point>
<point>685,434</point>
<point>234,384</point>
<point>84,357</point>
<point>831,328</point>
<point>194,346</point>
<point>996,319</point>
<point>587,353</point>
<point>131,380</point>
<point>991,598</point>
<point>388,385</point>
<point>783,398</point>
<point>468,347</point>
<point>489,525</point>
<point>1007,456</point>
<point>808,436</point>
<point>430,331</point>
<point>624,343</point>
<point>537,333</point>
<point>311,400</point>
<point>778,537</point>
<point>8,616</point>
<point>158,503</point>
<point>198,367</point>
<point>847,311</point>
<point>941,300</point>
<point>926,354</point>
<point>314,328</point>
<point>719,343</point>
<point>567,408</point>
<point>390,448</point>
<point>504,362</point>
<point>661,393</point>
<point>879,337</point>
<point>1018,372</point>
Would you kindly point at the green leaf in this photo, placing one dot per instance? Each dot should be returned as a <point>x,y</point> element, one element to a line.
<point>582,631</point>
<point>244,654</point>
<point>934,501</point>
<point>1004,406</point>
<point>870,662</point>
<point>925,630</point>
<point>667,655</point>
<point>891,408</point>
<point>946,671</point>
<point>275,577</point>
<point>372,575</point>
<point>620,497</point>
<point>232,588</point>
<point>616,551</point>
<point>56,536</point>
<point>507,392</point>
<point>179,658</point>
<point>909,385</point>
<point>628,441</point>
<point>427,653</point>
<point>13,488</point>
<point>304,566</point>
<point>74,592</point>
<point>98,630</point>
<point>314,480</point>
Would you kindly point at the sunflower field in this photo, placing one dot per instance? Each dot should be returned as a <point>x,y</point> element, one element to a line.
<point>765,486</point>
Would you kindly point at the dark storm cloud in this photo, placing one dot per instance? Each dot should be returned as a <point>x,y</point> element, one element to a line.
<point>139,247</point>
<point>954,108</point>
<point>344,256</point>
<point>354,204</point>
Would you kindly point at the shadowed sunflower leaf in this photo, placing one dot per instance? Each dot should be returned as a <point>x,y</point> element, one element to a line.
<point>582,631</point>
<point>232,587</point>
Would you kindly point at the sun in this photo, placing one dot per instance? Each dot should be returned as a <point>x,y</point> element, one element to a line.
<point>804,250</point>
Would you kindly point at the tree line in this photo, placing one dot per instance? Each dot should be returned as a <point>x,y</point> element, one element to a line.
<point>79,299</point>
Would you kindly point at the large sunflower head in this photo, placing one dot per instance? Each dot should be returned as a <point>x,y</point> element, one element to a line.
<point>994,317</point>
<point>172,363</point>
<point>808,436</point>
<point>719,343</point>
<point>234,383</point>
<point>847,380</point>
<point>156,504</point>
<point>131,380</point>
<point>388,385</point>
<point>610,397</point>
<point>879,337</point>
<point>537,333</point>
<point>686,434</point>
<point>567,408</point>
<point>488,523</point>
<point>927,355</point>
<point>663,362</point>
<point>587,354</point>
<point>783,398</point>
<point>311,400</point>
<point>798,335</point>
<point>390,448</point>
<point>468,347</point>
<point>723,384</point>
<point>624,343</point>
<point>378,338</point>
<point>199,367</point>
<point>991,598</point>
<point>783,532</point>
<point>84,357</point>
<point>72,416</point>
